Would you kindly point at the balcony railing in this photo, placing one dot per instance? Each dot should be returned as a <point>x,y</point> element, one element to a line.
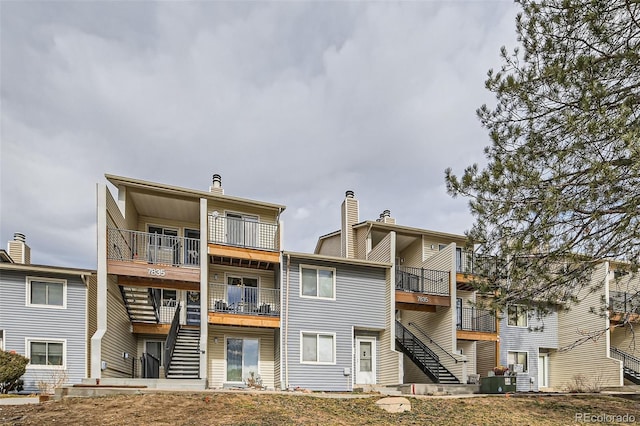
<point>620,301</point>
<point>244,300</point>
<point>130,246</point>
<point>421,280</point>
<point>472,319</point>
<point>471,263</point>
<point>246,233</point>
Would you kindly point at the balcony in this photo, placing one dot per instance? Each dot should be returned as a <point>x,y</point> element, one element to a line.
<point>623,306</point>
<point>472,319</point>
<point>243,242</point>
<point>244,305</point>
<point>421,289</point>
<point>469,265</point>
<point>151,255</point>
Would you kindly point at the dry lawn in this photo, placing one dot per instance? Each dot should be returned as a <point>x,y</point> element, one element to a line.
<point>285,409</point>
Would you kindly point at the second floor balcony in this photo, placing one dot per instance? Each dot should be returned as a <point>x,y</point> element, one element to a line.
<point>243,231</point>
<point>231,304</point>
<point>422,280</point>
<point>623,305</point>
<point>472,319</point>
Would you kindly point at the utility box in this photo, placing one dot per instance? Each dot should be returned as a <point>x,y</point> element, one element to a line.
<point>498,384</point>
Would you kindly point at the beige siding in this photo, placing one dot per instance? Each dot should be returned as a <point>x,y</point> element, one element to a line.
<point>114,216</point>
<point>389,361</point>
<point>92,315</point>
<point>382,251</point>
<point>412,254</point>
<point>118,338</point>
<point>485,357</point>
<point>276,360</point>
<point>360,243</point>
<point>264,215</point>
<point>412,374</point>
<point>145,221</point>
<point>330,246</point>
<point>349,218</point>
<point>266,279</point>
<point>443,260</point>
<point>469,350</point>
<point>216,353</point>
<point>590,358</point>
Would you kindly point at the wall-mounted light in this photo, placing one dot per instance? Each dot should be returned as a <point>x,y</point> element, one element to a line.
<point>215,340</point>
<point>215,277</point>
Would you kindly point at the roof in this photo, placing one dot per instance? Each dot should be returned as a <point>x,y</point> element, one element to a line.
<point>409,230</point>
<point>170,189</point>
<point>45,269</point>
<point>335,259</point>
<point>4,257</point>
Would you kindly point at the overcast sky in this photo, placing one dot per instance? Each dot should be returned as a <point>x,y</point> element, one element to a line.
<point>291,102</point>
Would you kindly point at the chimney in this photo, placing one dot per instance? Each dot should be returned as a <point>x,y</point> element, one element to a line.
<point>350,216</point>
<point>385,217</point>
<point>216,185</point>
<point>19,250</point>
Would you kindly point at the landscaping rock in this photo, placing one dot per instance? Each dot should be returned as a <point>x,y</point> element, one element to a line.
<point>394,404</point>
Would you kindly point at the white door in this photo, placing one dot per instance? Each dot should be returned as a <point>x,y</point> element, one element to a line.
<point>365,360</point>
<point>543,371</point>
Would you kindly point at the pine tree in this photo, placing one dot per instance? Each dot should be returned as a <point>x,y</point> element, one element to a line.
<point>561,187</point>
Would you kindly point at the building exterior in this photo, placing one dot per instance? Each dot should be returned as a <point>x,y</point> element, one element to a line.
<point>436,332</point>
<point>43,317</point>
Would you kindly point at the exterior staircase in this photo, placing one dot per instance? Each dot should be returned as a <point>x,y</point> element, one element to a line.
<point>422,356</point>
<point>631,365</point>
<point>141,304</point>
<point>185,361</point>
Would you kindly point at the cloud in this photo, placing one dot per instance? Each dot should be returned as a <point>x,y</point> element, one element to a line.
<point>292,103</point>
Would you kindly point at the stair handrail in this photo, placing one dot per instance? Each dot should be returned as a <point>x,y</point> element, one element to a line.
<point>420,344</point>
<point>154,295</point>
<point>436,343</point>
<point>170,343</point>
<point>629,361</point>
<point>150,366</point>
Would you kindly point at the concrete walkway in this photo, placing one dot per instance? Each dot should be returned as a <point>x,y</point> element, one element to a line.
<point>18,400</point>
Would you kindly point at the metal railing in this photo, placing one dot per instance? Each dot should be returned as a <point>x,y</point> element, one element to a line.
<point>130,246</point>
<point>240,232</point>
<point>620,301</point>
<point>240,299</point>
<point>471,263</point>
<point>472,319</point>
<point>421,280</point>
<point>150,366</point>
<point>170,343</point>
<point>429,359</point>
<point>628,361</point>
<point>444,351</point>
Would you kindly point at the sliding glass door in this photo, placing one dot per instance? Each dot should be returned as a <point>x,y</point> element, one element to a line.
<point>242,359</point>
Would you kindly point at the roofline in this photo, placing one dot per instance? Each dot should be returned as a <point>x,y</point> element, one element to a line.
<point>139,183</point>
<point>409,229</point>
<point>336,259</point>
<point>46,268</point>
<point>4,257</point>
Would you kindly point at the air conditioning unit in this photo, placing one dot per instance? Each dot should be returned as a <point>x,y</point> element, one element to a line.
<point>516,368</point>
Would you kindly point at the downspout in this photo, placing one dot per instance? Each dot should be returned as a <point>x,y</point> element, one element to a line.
<point>286,329</point>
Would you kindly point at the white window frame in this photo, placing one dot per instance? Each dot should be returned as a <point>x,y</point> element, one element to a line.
<point>318,268</point>
<point>526,316</point>
<point>526,367</point>
<point>30,279</point>
<point>27,346</point>
<point>317,334</point>
<point>3,339</point>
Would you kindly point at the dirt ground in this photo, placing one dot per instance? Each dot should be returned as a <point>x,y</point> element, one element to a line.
<point>296,409</point>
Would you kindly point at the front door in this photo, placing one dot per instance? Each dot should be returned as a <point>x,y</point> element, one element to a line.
<point>193,308</point>
<point>191,247</point>
<point>543,371</point>
<point>365,360</point>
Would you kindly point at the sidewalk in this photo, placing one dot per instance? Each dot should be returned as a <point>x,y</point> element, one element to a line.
<point>18,400</point>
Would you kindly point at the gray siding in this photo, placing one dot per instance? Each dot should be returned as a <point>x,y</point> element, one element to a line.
<point>359,305</point>
<point>528,339</point>
<point>20,322</point>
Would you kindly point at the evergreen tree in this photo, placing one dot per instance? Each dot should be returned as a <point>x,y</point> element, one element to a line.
<point>560,190</point>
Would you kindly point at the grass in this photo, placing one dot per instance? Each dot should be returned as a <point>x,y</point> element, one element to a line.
<point>295,409</point>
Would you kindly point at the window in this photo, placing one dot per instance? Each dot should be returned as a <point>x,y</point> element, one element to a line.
<point>169,298</point>
<point>516,359</point>
<point>517,316</point>
<point>46,353</point>
<point>242,359</point>
<point>317,282</point>
<point>1,340</point>
<point>318,348</point>
<point>46,292</point>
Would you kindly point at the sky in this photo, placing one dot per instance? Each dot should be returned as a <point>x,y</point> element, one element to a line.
<point>290,102</point>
